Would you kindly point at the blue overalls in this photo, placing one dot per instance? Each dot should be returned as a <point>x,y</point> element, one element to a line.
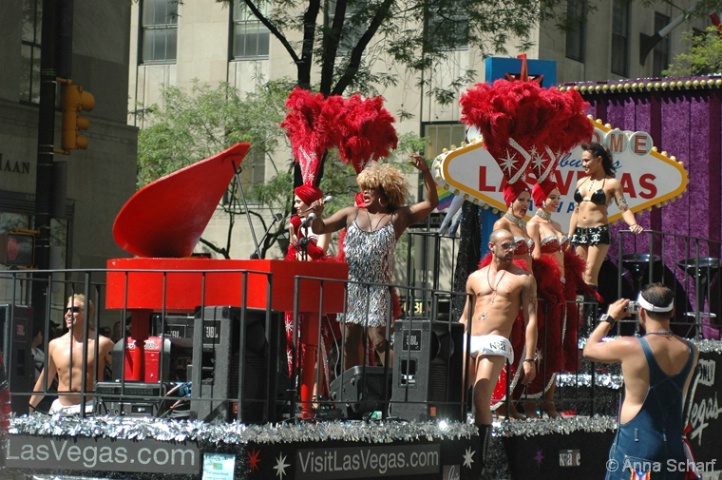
<point>652,440</point>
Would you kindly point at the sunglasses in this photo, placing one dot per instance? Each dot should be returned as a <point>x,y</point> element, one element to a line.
<point>73,309</point>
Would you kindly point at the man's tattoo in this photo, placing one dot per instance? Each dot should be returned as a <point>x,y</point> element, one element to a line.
<point>533,301</point>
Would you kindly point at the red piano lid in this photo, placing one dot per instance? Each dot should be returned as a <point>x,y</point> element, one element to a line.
<point>167,217</point>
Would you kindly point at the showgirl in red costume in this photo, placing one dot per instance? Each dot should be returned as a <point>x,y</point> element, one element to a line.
<point>312,126</point>
<point>306,246</point>
<point>304,243</point>
<point>549,245</point>
<point>563,329</point>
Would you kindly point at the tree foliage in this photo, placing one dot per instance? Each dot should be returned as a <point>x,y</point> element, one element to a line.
<point>703,58</point>
<point>343,40</point>
<point>189,126</point>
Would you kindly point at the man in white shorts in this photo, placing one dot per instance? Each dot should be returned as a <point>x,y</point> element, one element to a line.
<point>65,359</point>
<point>499,291</point>
<point>58,408</point>
<point>491,345</point>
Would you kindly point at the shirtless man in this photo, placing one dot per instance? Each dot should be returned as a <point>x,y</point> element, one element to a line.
<point>65,359</point>
<point>499,291</point>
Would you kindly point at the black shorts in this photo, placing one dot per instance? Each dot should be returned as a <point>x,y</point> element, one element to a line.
<point>592,236</point>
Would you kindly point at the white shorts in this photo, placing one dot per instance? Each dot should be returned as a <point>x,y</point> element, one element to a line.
<point>491,345</point>
<point>61,409</point>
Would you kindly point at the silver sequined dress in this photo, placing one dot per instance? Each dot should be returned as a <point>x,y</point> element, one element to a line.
<point>370,256</point>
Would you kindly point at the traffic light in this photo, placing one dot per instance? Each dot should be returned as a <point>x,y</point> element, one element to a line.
<point>75,101</point>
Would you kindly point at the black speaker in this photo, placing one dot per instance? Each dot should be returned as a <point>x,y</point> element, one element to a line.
<point>16,332</point>
<point>131,399</point>
<point>217,364</point>
<point>428,380</point>
<point>360,390</point>
<point>174,326</point>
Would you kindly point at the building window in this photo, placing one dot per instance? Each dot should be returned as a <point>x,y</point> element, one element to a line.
<point>577,33</point>
<point>441,136</point>
<point>620,37</point>
<point>354,25</point>
<point>160,31</point>
<point>661,49</point>
<point>30,51</point>
<point>448,24</point>
<point>250,36</point>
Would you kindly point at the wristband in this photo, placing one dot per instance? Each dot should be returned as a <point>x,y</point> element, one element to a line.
<point>530,360</point>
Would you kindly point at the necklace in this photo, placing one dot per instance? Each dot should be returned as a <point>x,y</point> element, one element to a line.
<point>493,289</point>
<point>660,332</point>
<point>519,222</point>
<point>542,214</point>
<point>377,221</point>
<point>592,182</point>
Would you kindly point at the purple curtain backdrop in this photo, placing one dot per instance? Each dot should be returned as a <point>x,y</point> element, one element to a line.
<point>685,122</point>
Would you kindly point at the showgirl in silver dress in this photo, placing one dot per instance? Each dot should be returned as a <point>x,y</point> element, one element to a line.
<point>370,257</point>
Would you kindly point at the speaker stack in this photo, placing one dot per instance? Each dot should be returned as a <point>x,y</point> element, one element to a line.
<point>217,366</point>
<point>131,399</point>
<point>16,332</point>
<point>428,373</point>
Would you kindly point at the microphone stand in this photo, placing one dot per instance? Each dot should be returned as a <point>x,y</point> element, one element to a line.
<point>237,174</point>
<point>303,242</point>
<point>276,218</point>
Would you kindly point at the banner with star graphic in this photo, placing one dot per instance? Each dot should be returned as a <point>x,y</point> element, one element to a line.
<point>420,460</point>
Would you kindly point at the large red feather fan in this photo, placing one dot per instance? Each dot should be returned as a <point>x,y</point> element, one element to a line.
<point>368,132</point>
<point>569,127</point>
<point>312,125</point>
<point>525,127</point>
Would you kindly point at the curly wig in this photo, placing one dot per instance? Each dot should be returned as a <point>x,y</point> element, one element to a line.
<point>388,179</point>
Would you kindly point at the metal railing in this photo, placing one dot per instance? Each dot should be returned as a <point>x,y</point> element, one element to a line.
<point>252,372</point>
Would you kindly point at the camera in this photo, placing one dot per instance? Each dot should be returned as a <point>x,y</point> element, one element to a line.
<point>633,307</point>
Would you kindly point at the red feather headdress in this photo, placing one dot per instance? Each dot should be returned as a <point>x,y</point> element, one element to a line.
<point>312,126</point>
<point>526,128</point>
<point>368,132</point>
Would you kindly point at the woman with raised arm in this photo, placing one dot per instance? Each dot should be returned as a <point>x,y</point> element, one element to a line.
<point>371,236</point>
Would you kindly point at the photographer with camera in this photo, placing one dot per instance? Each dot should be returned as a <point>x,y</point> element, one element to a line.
<point>657,369</point>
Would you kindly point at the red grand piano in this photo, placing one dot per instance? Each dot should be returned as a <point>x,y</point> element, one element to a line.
<point>162,223</point>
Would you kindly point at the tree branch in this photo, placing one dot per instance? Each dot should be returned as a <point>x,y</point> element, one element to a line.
<point>330,43</point>
<point>357,53</point>
<point>272,28</point>
<point>309,32</point>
